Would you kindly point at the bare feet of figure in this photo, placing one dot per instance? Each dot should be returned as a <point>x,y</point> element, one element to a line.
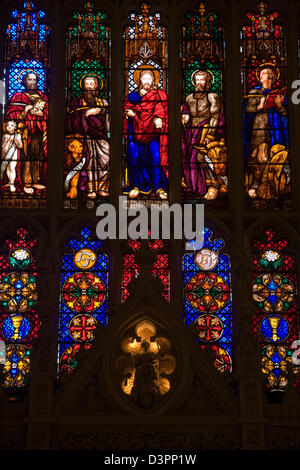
<point>134,193</point>
<point>162,194</point>
<point>211,193</point>
<point>103,193</point>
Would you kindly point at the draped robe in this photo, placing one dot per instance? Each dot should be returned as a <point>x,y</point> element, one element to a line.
<point>147,146</point>
<point>94,129</point>
<point>269,127</point>
<point>197,174</point>
<point>277,127</point>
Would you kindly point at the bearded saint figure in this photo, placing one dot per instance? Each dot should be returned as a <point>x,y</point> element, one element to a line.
<point>29,109</point>
<point>204,153</point>
<point>88,117</point>
<point>145,130</point>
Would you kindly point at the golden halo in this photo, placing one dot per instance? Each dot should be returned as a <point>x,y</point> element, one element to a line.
<point>137,73</point>
<point>202,71</point>
<point>28,71</point>
<point>94,75</point>
<point>267,65</point>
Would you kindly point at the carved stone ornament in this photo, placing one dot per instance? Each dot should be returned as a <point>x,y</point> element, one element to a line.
<point>146,367</point>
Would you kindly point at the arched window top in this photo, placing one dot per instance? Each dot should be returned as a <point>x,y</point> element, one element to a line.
<point>27,48</point>
<point>270,241</point>
<point>153,244</point>
<point>85,240</point>
<point>160,267</point>
<point>29,19</point>
<point>88,18</point>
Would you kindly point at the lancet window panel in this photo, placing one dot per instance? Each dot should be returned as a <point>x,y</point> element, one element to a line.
<point>145,106</point>
<point>203,131</point>
<point>275,323</point>
<point>24,141</point>
<point>19,318</point>
<point>266,139</point>
<point>83,297</point>
<point>207,298</point>
<point>87,126</point>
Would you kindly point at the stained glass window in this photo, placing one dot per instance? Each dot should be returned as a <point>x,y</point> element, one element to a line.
<point>203,133</point>
<point>19,321</point>
<point>145,107</point>
<point>265,111</point>
<point>83,297</point>
<point>23,172</point>
<point>275,322</point>
<point>87,131</point>
<point>207,298</point>
<point>160,267</point>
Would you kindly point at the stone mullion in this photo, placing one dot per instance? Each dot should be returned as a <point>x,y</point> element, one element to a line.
<point>57,107</point>
<point>43,366</point>
<point>233,110</point>
<point>57,102</point>
<point>292,36</point>
<point>174,100</point>
<point>116,165</point>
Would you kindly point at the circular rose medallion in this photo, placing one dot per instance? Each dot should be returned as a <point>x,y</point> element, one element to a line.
<point>16,366</point>
<point>83,291</point>
<point>85,259</point>
<point>206,259</point>
<point>18,291</point>
<point>207,292</point>
<point>81,327</point>
<point>273,292</point>
<point>210,328</point>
